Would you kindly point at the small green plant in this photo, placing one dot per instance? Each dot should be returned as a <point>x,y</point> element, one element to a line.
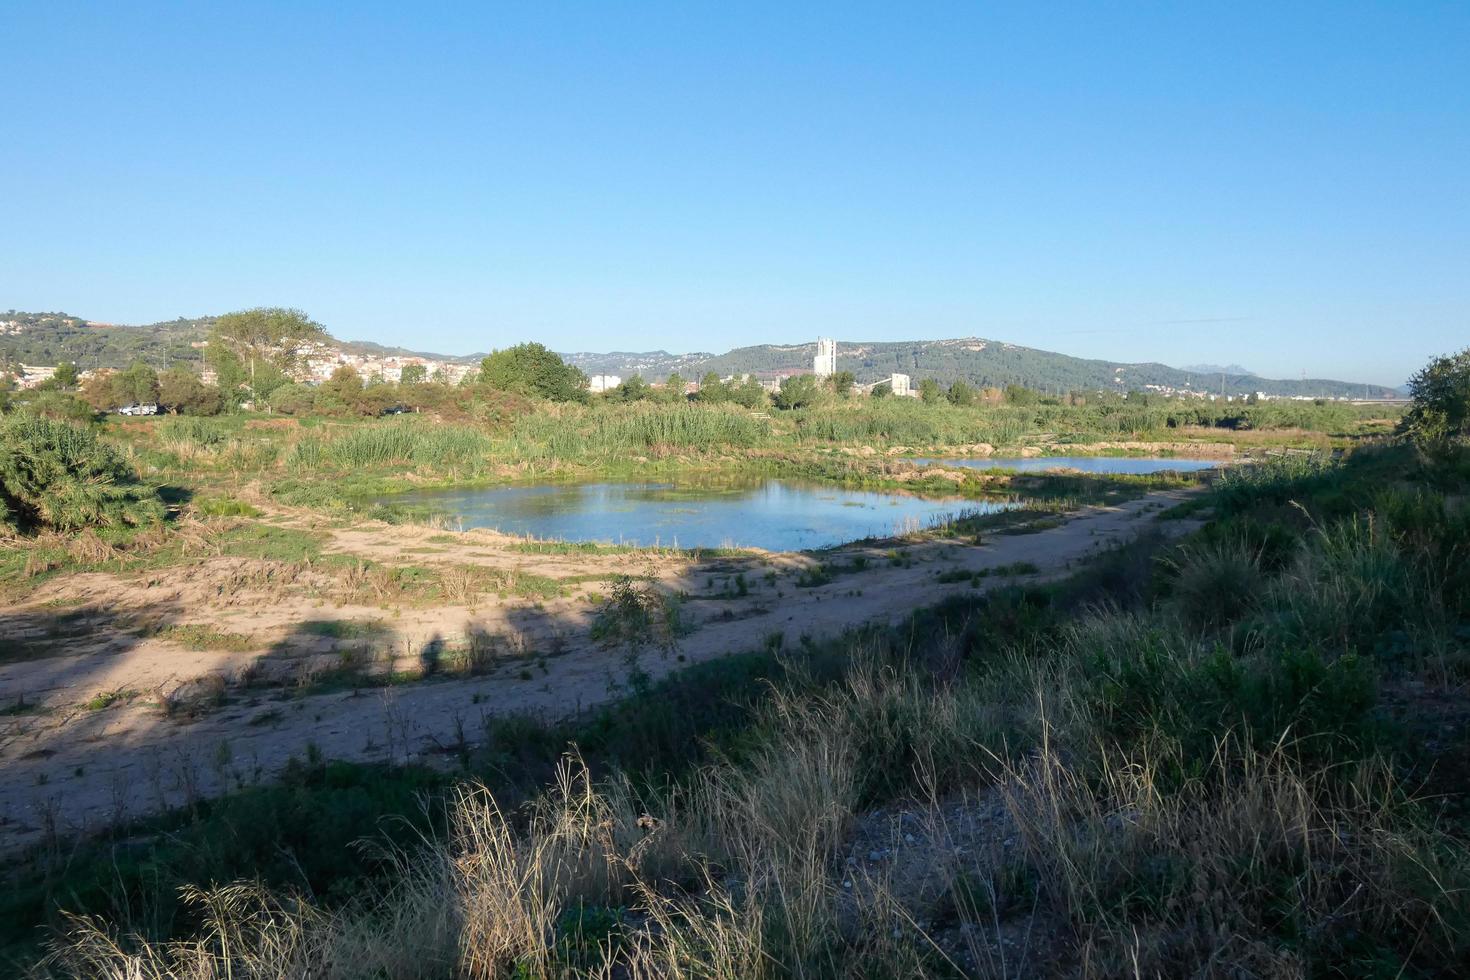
<point>223,507</point>
<point>103,700</point>
<point>637,615</point>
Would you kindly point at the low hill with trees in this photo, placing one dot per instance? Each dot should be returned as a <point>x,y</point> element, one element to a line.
<point>50,338</point>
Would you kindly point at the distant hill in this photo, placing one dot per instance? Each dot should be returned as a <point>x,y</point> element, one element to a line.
<point>48,338</point>
<point>978,361</point>
<point>1234,369</point>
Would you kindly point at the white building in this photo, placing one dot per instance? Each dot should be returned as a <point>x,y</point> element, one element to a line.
<point>824,365</point>
<point>899,384</point>
<point>603,382</point>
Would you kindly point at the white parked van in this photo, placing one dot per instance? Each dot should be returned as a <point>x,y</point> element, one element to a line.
<point>148,409</point>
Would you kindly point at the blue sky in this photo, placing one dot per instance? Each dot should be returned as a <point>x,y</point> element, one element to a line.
<point>1282,185</point>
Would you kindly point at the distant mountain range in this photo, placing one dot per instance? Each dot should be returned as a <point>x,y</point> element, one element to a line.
<point>48,338</point>
<point>977,361</point>
<point>1234,369</point>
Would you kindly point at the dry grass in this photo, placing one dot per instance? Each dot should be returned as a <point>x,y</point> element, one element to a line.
<point>741,875</point>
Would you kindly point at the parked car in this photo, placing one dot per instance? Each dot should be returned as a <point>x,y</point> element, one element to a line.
<point>147,409</point>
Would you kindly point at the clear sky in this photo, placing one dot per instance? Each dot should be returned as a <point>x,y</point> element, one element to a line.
<point>1284,185</point>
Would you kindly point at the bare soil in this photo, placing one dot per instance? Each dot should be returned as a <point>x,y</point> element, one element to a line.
<point>111,715</point>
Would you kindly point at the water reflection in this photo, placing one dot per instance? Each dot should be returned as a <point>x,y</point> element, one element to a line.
<point>773,514</point>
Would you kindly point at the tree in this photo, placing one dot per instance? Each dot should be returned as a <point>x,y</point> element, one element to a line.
<point>1439,410</point>
<point>841,383</point>
<point>138,385</point>
<point>293,399</point>
<point>532,369</point>
<point>262,336</point>
<point>101,391</point>
<point>712,390</point>
<point>413,374</point>
<point>180,390</point>
<point>635,389</point>
<point>342,392</point>
<point>674,388</point>
<point>1018,395</point>
<point>882,389</point>
<point>748,394</point>
<point>930,392</point>
<point>797,391</point>
<point>66,375</point>
<point>960,394</point>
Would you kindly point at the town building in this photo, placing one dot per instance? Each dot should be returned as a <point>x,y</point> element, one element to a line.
<point>824,365</point>
<point>603,382</point>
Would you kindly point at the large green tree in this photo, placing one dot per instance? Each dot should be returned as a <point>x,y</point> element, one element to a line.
<point>960,394</point>
<point>532,369</point>
<point>243,343</point>
<point>1440,407</point>
<point>841,383</point>
<point>181,391</point>
<point>712,390</point>
<point>138,385</point>
<point>798,391</point>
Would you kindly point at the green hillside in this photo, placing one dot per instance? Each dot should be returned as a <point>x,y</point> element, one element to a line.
<point>980,362</point>
<point>48,338</point>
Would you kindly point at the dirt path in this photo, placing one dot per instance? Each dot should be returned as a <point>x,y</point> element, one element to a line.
<point>68,769</point>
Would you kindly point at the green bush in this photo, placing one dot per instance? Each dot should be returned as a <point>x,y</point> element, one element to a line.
<point>1216,582</point>
<point>1441,401</point>
<point>61,477</point>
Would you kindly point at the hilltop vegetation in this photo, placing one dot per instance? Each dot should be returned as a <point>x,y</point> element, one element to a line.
<point>983,363</point>
<point>46,339</point>
<point>52,338</point>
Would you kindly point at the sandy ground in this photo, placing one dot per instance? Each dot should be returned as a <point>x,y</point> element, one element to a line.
<point>67,767</point>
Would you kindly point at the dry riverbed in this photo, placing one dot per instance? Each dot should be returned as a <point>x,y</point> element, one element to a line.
<point>128,692</point>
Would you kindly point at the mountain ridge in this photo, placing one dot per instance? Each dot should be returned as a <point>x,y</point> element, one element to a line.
<point>47,338</point>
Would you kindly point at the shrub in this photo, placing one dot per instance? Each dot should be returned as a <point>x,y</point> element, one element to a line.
<point>1215,583</point>
<point>1441,401</point>
<point>61,477</point>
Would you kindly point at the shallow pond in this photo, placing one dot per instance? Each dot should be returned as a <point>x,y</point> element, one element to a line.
<point>1085,464</point>
<point>773,514</point>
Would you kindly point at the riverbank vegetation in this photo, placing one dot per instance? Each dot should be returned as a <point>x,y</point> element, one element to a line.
<point>1243,751</point>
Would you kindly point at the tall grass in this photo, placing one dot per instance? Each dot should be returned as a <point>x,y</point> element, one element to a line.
<point>608,431</point>
<point>400,441</point>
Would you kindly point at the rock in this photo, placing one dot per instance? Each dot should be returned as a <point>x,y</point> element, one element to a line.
<point>982,449</point>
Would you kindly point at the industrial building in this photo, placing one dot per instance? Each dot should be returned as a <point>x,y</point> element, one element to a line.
<point>824,365</point>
